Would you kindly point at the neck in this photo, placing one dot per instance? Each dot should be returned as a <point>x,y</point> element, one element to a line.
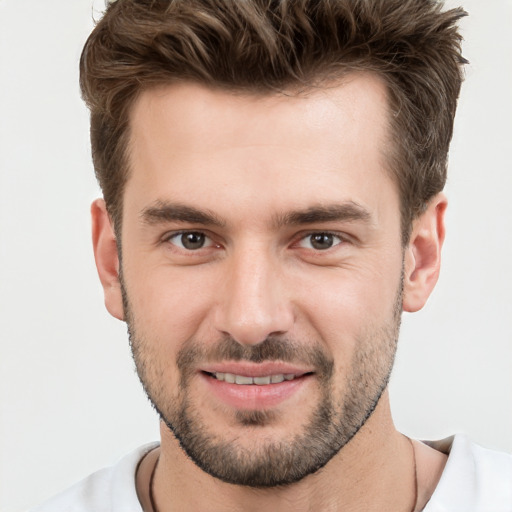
<point>374,471</point>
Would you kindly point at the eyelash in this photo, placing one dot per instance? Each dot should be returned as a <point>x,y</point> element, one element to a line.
<point>168,238</point>
<point>342,238</point>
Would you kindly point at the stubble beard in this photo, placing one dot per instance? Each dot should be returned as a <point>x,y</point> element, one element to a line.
<point>332,424</point>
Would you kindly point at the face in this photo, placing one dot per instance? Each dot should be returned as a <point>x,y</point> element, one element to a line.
<point>261,270</point>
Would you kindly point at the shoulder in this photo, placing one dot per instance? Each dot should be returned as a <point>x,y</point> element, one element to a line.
<point>110,489</point>
<point>475,479</point>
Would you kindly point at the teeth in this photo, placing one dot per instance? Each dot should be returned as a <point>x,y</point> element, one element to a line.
<point>259,381</point>
<point>240,379</point>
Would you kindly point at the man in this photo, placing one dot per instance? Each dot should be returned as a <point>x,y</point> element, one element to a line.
<point>272,176</point>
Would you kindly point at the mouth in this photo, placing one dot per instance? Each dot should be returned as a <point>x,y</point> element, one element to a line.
<point>249,386</point>
<point>246,380</point>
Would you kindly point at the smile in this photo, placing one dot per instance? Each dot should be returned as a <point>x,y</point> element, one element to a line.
<point>244,380</point>
<point>247,386</point>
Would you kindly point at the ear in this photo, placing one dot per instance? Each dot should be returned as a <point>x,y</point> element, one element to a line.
<point>107,258</point>
<point>422,260</point>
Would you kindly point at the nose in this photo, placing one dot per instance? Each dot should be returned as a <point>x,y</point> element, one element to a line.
<point>253,303</point>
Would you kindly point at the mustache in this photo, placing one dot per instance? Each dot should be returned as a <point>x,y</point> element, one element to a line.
<point>273,348</point>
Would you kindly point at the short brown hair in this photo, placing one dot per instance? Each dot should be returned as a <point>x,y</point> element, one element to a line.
<point>273,45</point>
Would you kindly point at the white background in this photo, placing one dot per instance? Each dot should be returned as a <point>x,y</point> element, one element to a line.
<point>69,399</point>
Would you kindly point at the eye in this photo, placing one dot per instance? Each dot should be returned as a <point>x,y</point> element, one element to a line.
<point>190,240</point>
<point>320,241</point>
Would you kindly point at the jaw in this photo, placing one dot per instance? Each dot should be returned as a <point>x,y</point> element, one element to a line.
<point>376,445</point>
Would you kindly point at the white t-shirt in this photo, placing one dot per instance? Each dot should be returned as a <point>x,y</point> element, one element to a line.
<point>474,480</point>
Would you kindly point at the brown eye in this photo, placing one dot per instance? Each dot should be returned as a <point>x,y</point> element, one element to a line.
<point>190,240</point>
<point>320,241</point>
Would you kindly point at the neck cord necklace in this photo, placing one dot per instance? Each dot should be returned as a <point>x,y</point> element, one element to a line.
<point>414,503</point>
<point>151,485</point>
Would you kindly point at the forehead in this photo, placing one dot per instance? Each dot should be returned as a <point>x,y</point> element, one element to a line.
<point>193,109</point>
<point>208,146</point>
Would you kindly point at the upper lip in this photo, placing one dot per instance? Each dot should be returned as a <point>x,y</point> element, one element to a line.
<point>249,369</point>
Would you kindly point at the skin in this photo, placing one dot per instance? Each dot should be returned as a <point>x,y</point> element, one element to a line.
<point>250,161</point>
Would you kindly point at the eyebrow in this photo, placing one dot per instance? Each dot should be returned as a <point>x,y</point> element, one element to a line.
<point>345,212</point>
<point>174,212</point>
<point>162,211</point>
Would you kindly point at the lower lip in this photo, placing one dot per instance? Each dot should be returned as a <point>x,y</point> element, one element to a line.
<point>252,396</point>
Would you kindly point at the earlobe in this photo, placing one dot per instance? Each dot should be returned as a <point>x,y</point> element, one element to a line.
<point>422,260</point>
<point>107,258</point>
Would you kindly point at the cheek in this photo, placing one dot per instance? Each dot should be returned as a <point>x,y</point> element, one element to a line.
<point>343,304</point>
<point>166,302</point>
